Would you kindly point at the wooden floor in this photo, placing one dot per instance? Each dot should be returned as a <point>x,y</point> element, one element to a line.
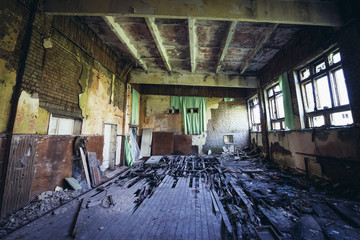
<point>180,208</point>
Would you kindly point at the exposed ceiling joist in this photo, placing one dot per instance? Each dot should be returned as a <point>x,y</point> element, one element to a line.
<point>322,13</point>
<point>164,78</point>
<point>120,33</point>
<point>257,48</point>
<point>193,43</point>
<point>158,41</point>
<point>226,44</point>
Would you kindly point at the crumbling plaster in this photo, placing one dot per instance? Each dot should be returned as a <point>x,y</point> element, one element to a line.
<point>30,118</point>
<point>154,113</point>
<point>7,82</point>
<point>96,106</point>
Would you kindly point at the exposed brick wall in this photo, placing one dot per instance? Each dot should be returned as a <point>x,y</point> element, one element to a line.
<point>59,87</point>
<point>230,118</point>
<point>55,73</point>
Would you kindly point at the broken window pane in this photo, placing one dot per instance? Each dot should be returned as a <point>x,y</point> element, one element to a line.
<point>304,73</point>
<point>319,67</point>
<point>341,118</point>
<point>308,97</point>
<point>323,93</point>
<point>317,121</point>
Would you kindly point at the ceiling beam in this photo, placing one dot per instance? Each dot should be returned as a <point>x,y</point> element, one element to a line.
<point>192,43</point>
<point>315,12</point>
<point>258,47</point>
<point>120,33</point>
<point>158,41</point>
<point>226,44</point>
<point>182,79</point>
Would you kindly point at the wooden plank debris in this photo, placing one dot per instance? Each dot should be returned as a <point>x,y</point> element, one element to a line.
<point>80,218</point>
<point>85,166</point>
<point>94,165</point>
<point>223,213</point>
<point>73,183</point>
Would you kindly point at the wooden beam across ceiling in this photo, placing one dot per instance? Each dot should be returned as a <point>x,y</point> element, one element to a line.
<point>182,79</point>
<point>315,12</point>
<point>120,33</point>
<point>257,48</point>
<point>192,43</point>
<point>226,44</point>
<point>158,41</point>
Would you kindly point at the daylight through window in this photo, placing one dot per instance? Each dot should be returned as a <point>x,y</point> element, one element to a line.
<point>324,92</point>
<point>276,107</point>
<point>254,112</point>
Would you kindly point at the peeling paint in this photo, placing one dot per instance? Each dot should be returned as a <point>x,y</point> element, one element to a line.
<point>30,118</point>
<point>7,82</point>
<point>154,113</point>
<point>95,104</point>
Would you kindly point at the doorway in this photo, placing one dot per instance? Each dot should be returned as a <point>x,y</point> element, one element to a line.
<point>109,150</point>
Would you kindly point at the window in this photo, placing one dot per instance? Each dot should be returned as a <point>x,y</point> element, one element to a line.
<point>254,114</point>
<point>64,126</point>
<point>324,92</point>
<point>276,107</point>
<point>192,110</point>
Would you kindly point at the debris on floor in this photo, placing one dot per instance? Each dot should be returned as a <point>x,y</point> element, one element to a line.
<point>232,196</point>
<point>44,202</point>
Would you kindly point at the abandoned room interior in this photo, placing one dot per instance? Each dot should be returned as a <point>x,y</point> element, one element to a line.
<point>178,119</point>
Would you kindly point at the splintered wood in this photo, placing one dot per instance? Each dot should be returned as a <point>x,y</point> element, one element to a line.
<point>197,197</point>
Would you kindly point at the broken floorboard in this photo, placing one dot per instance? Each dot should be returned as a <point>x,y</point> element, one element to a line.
<point>172,199</point>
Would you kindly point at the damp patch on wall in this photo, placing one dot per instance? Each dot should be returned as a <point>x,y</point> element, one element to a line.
<point>96,107</point>
<point>30,118</point>
<point>7,83</point>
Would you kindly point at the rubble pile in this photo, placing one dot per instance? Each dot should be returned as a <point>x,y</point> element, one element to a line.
<point>42,204</point>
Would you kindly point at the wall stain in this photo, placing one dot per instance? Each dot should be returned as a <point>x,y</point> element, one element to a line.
<point>276,148</point>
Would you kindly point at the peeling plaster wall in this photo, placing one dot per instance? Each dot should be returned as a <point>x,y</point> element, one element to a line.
<point>7,82</point>
<point>77,75</point>
<point>12,28</point>
<point>95,103</point>
<point>224,118</point>
<point>154,113</point>
<point>230,118</point>
<point>30,118</point>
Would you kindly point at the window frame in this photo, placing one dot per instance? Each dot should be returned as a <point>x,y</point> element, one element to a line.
<point>273,117</point>
<point>254,127</point>
<point>329,72</point>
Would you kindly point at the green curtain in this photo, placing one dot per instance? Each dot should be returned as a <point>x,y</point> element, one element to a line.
<point>128,155</point>
<point>194,123</point>
<point>135,102</point>
<point>174,103</point>
<point>285,88</point>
